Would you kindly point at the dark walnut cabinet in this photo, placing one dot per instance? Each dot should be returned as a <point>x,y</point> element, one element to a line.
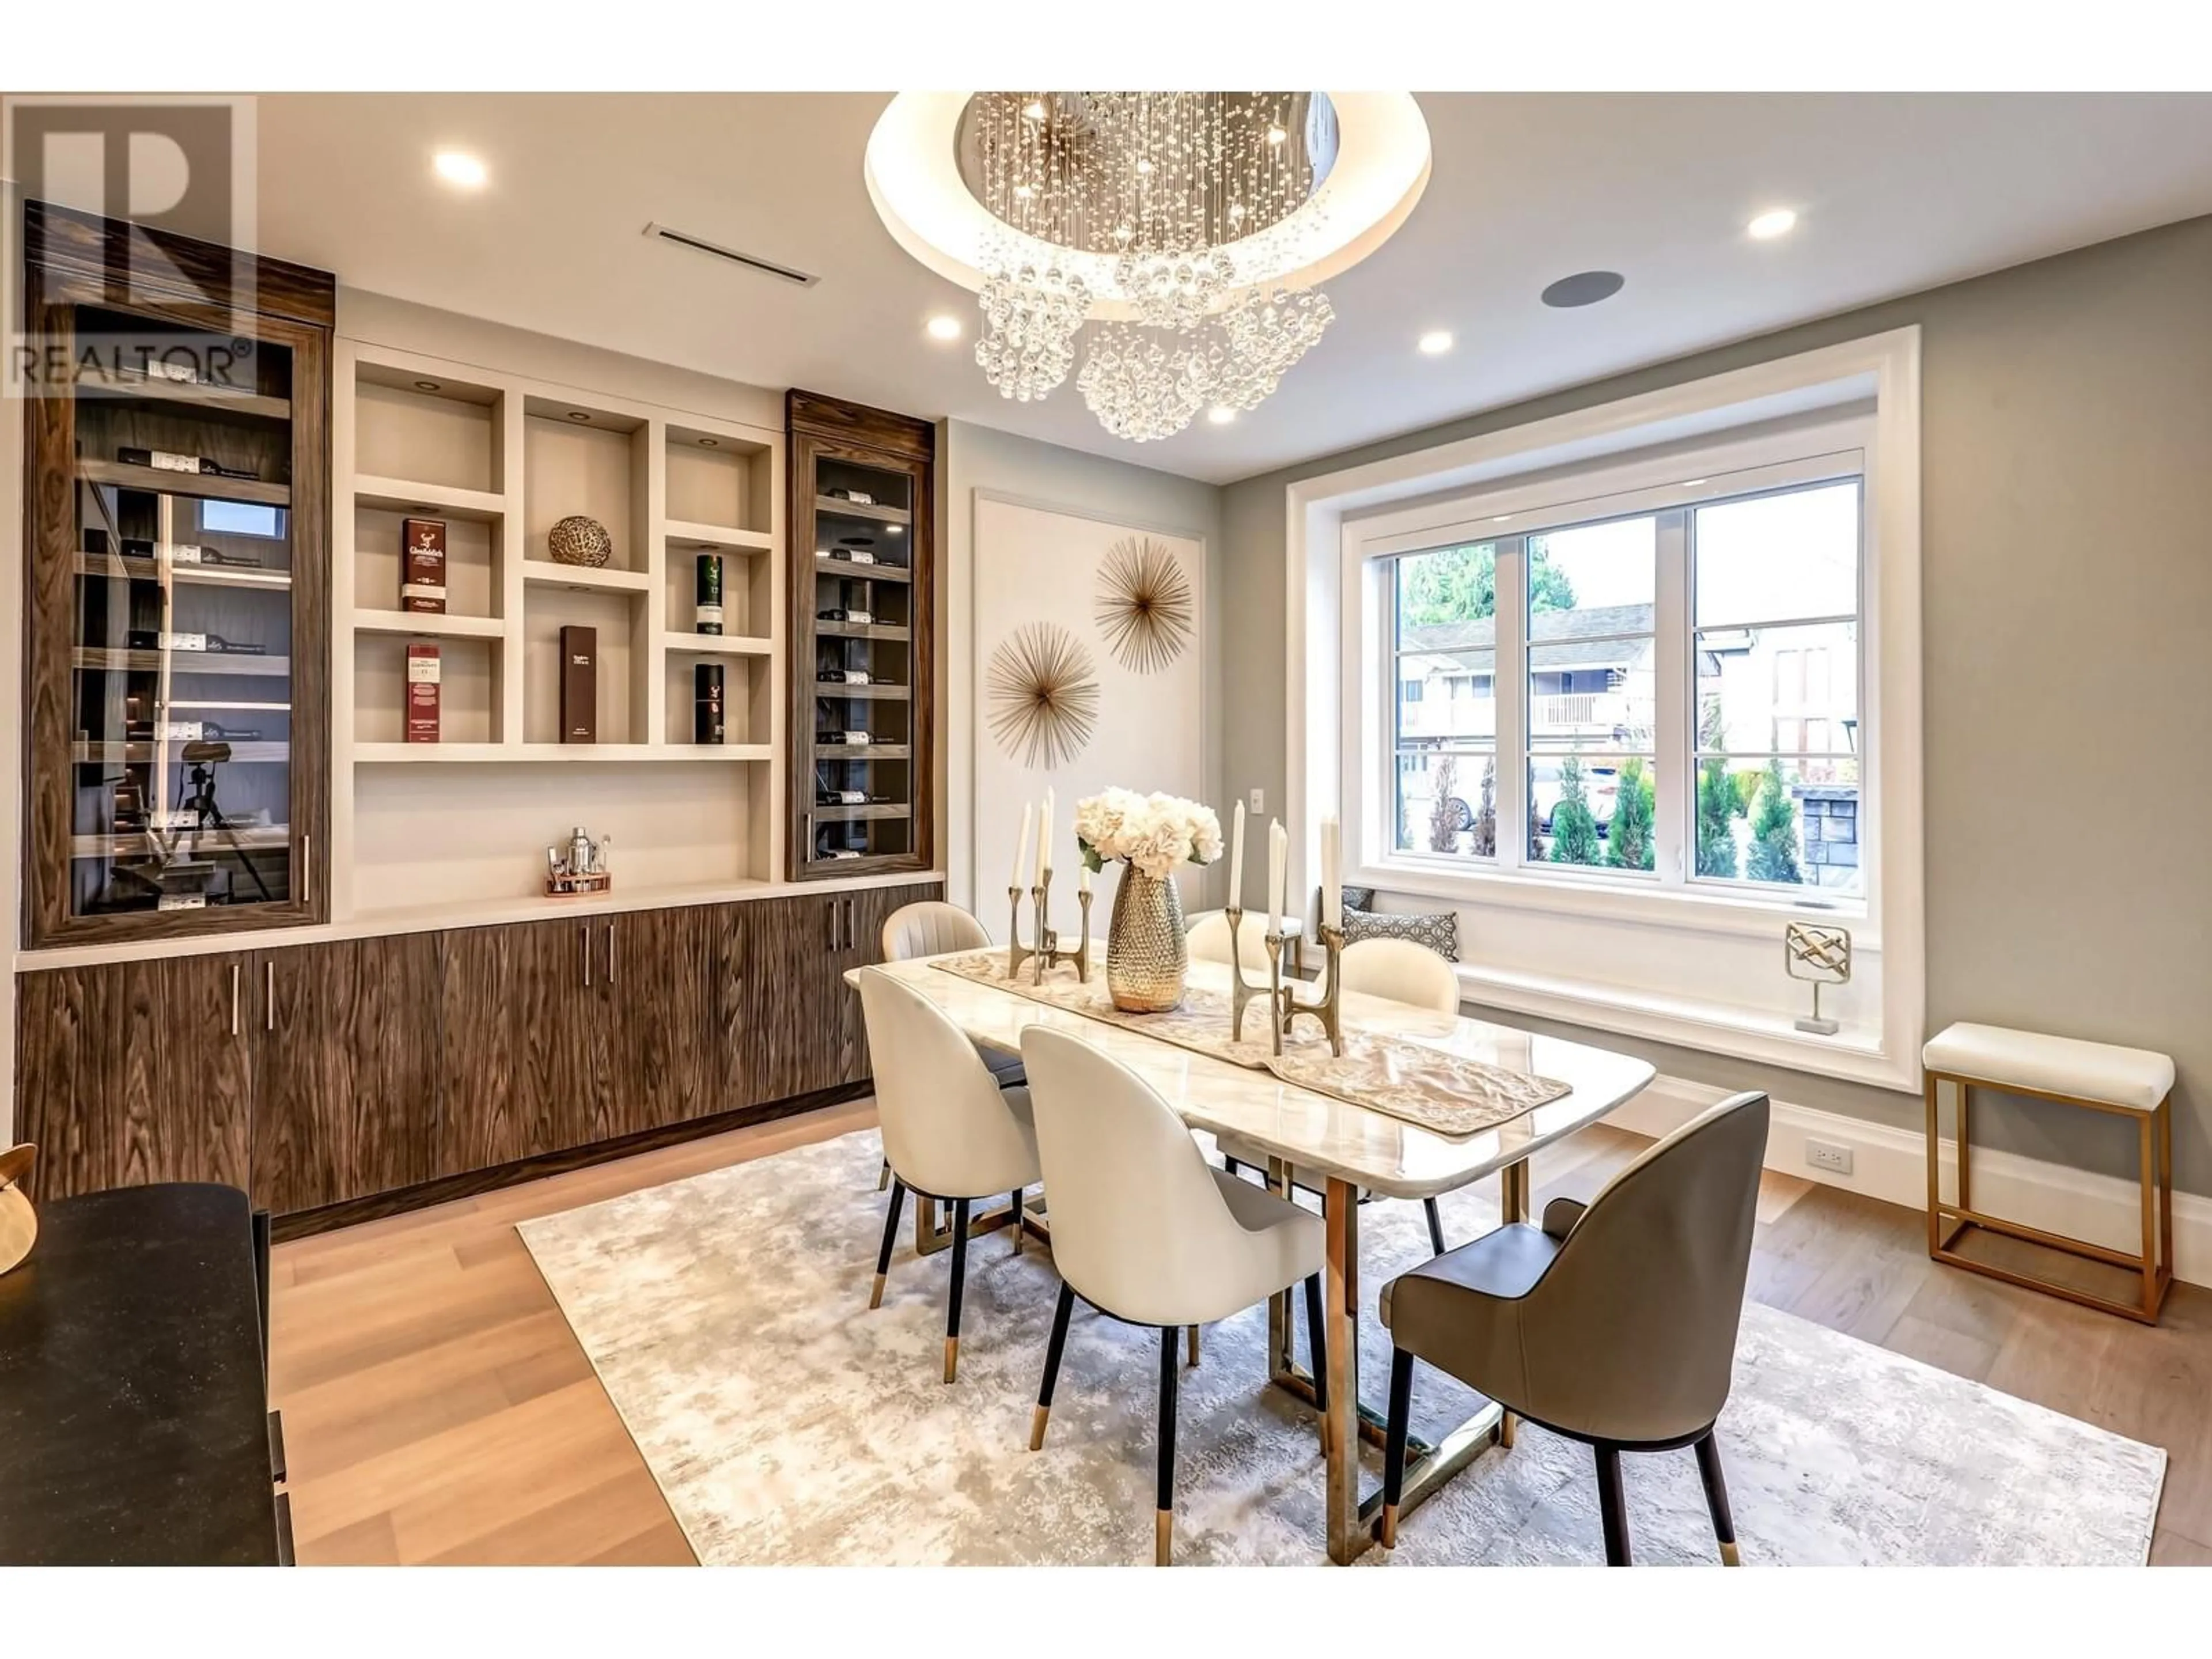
<point>863,629</point>
<point>176,601</point>
<point>407,1066</point>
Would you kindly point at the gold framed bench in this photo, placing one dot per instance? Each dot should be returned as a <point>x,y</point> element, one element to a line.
<point>2135,1084</point>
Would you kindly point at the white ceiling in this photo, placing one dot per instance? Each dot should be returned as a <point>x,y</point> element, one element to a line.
<point>1895,193</point>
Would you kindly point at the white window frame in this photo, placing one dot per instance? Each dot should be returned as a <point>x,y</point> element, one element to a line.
<point>1800,457</point>
<point>1699,955</point>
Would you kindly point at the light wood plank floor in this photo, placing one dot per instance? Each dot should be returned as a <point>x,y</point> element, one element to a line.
<point>438,1409</point>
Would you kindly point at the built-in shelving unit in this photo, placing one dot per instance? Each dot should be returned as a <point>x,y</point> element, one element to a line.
<point>861,565</point>
<point>500,460</point>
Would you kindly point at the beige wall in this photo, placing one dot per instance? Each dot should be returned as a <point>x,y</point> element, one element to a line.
<point>979,459</point>
<point>2067,611</point>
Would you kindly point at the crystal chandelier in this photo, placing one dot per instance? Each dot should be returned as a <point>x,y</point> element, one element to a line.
<point>1178,190</point>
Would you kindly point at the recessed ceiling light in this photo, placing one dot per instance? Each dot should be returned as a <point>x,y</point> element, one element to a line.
<point>426,386</point>
<point>1437,342</point>
<point>896,529</point>
<point>1221,414</point>
<point>579,416</point>
<point>1584,287</point>
<point>710,443</point>
<point>459,167</point>
<point>1778,221</point>
<point>944,326</point>
<point>1692,483</point>
<point>1501,517</point>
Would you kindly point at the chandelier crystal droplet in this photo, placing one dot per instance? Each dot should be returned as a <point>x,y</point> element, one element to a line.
<point>1169,186</point>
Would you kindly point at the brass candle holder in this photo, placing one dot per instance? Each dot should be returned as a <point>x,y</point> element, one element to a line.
<point>1047,954</point>
<point>1240,993</point>
<point>1325,1005</point>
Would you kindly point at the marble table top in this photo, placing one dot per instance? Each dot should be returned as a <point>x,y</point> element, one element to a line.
<point>1384,1154</point>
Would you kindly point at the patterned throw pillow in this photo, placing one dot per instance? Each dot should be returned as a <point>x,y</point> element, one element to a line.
<point>1440,933</point>
<point>1359,898</point>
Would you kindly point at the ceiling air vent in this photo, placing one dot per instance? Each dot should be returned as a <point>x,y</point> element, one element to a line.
<point>751,262</point>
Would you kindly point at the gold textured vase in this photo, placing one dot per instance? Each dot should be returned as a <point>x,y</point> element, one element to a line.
<point>1145,952</point>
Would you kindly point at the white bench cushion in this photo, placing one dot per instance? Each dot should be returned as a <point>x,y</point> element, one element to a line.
<point>2135,1078</point>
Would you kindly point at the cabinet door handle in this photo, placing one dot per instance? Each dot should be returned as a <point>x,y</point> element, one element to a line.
<point>833,924</point>
<point>234,999</point>
<point>611,953</point>
<point>306,860</point>
<point>268,996</point>
<point>584,935</point>
<point>852,908</point>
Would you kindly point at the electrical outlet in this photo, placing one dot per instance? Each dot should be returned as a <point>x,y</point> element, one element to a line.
<point>1826,1155</point>
<point>1259,802</point>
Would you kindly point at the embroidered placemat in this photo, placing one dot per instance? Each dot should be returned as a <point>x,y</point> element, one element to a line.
<point>1400,1076</point>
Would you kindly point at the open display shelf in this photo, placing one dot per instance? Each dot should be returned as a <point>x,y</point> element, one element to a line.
<point>861,558</point>
<point>500,460</point>
<point>177,599</point>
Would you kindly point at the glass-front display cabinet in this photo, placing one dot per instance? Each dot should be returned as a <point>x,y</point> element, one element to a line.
<point>863,571</point>
<point>176,585</point>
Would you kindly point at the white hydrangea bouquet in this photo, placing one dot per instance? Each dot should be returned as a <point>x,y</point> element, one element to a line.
<point>1152,833</point>
<point>1146,955</point>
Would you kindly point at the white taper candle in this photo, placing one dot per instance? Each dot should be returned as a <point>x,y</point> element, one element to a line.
<point>1278,853</point>
<point>1237,861</point>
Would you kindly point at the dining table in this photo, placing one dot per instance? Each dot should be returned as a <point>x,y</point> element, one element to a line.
<point>1349,1152</point>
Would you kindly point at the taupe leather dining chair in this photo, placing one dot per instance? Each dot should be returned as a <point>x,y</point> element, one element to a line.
<point>1612,1323</point>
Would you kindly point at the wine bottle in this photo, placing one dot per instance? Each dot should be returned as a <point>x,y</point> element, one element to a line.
<point>706,705</point>
<point>163,460</point>
<point>707,607</point>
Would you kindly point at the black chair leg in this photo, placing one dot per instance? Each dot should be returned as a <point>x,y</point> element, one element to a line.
<point>1436,1225</point>
<point>891,1237</point>
<point>1709,1468</point>
<point>1164,1517</point>
<point>1613,1505</point>
<point>1316,1343</point>
<point>1052,1352</point>
<point>1018,1229</point>
<point>1394,1443</point>
<point>959,1283</point>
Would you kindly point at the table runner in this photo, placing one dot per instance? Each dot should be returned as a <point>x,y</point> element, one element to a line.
<point>1400,1077</point>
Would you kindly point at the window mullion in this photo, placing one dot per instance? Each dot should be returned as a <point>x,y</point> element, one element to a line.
<point>1510,686</point>
<point>1674,720</point>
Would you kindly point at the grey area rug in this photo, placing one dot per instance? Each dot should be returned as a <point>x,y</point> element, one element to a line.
<point>727,1316</point>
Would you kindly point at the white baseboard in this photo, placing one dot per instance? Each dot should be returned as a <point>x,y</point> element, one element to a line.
<point>1891,1164</point>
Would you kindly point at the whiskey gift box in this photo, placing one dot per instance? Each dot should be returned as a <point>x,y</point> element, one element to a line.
<point>580,684</point>
<point>707,711</point>
<point>422,565</point>
<point>423,682</point>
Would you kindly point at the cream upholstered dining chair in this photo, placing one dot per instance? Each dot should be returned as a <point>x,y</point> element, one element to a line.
<point>1147,1231</point>
<point>930,927</point>
<point>1613,1323</point>
<point>1207,938</point>
<point>950,1131</point>
<point>1397,970</point>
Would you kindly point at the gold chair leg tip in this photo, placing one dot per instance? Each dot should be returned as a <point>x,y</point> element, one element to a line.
<point>1162,1537</point>
<point>876,1296</point>
<point>951,1357</point>
<point>1036,1427</point>
<point>1389,1526</point>
<point>1730,1556</point>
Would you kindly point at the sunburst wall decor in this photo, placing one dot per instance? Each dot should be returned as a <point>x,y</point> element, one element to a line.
<point>1144,604</point>
<point>1044,697</point>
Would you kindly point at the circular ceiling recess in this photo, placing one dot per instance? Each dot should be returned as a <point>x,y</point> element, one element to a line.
<point>923,176</point>
<point>1584,287</point>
